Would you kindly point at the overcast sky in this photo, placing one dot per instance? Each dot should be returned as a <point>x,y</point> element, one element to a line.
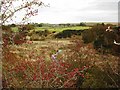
<point>75,11</point>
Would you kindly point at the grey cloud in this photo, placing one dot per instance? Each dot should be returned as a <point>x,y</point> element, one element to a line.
<point>102,6</point>
<point>97,5</point>
<point>106,6</point>
<point>100,10</point>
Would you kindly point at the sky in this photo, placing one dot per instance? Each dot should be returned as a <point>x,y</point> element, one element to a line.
<point>75,11</point>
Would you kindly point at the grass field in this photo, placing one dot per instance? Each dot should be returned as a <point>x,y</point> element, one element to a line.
<point>57,29</point>
<point>15,29</point>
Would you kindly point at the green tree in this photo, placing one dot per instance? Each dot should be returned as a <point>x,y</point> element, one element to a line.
<point>82,24</point>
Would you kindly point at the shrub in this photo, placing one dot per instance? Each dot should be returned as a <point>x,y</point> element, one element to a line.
<point>26,27</point>
<point>40,25</point>
<point>19,39</point>
<point>82,24</point>
<point>68,33</point>
<point>34,37</point>
<point>6,39</point>
<point>6,29</point>
<point>46,32</point>
<point>12,25</point>
<point>88,36</point>
<point>102,40</point>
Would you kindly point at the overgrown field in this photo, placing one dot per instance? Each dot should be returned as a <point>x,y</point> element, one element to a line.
<point>69,62</point>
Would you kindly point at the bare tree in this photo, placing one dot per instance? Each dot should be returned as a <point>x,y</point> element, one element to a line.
<point>10,7</point>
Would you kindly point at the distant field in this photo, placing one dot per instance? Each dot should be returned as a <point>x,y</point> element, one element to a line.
<point>15,29</point>
<point>57,29</point>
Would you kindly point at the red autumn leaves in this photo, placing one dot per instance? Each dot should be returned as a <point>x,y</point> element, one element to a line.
<point>53,73</point>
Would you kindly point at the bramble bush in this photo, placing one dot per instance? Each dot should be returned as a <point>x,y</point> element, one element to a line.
<point>68,33</point>
<point>102,40</point>
<point>13,39</point>
<point>92,34</point>
<point>10,37</point>
<point>20,73</point>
